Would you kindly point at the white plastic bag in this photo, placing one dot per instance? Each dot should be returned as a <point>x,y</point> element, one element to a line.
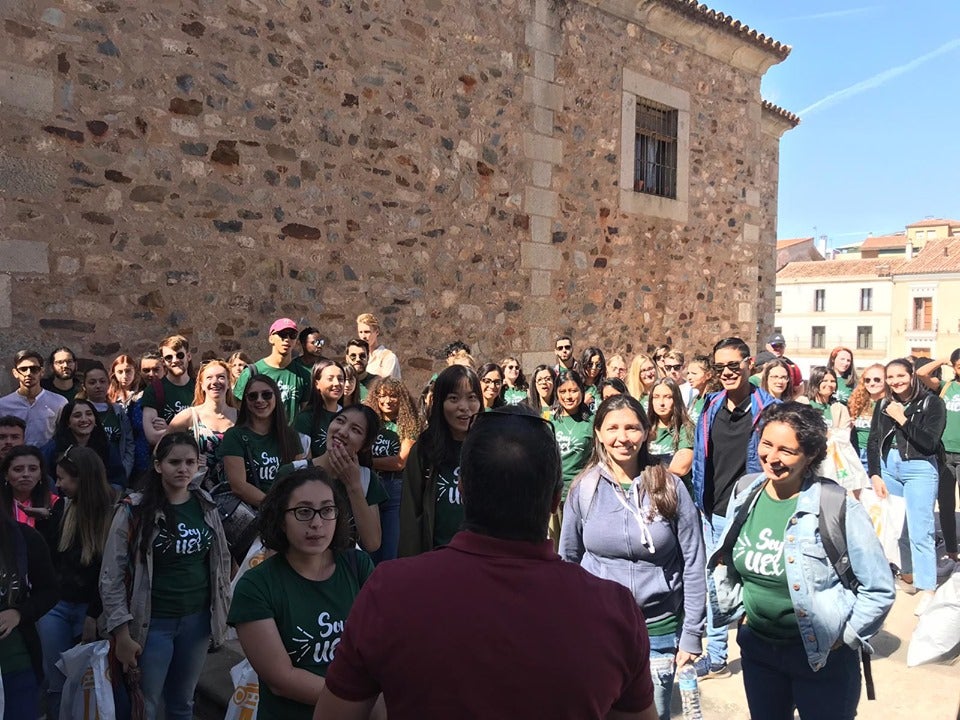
<point>842,463</point>
<point>887,516</point>
<point>938,631</point>
<point>255,555</point>
<point>87,692</point>
<point>246,692</point>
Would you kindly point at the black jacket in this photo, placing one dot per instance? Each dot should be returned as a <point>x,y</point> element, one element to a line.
<point>918,438</point>
<point>78,583</point>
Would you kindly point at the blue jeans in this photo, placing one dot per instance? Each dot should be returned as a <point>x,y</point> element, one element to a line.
<point>663,648</point>
<point>20,693</point>
<point>917,482</point>
<point>777,678</point>
<point>389,519</point>
<point>60,629</point>
<point>713,527</point>
<point>171,663</point>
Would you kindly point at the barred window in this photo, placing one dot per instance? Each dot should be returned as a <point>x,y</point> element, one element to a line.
<point>655,157</point>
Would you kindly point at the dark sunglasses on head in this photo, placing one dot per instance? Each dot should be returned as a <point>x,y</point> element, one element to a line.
<point>180,355</point>
<point>253,395</point>
<point>733,366</point>
<point>286,334</point>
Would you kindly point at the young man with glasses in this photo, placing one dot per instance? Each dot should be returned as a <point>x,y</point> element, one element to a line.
<point>293,379</point>
<point>724,450</point>
<point>164,398</point>
<point>356,356</point>
<point>412,632</point>
<point>311,343</point>
<point>565,359</point>
<point>37,407</point>
<point>63,375</point>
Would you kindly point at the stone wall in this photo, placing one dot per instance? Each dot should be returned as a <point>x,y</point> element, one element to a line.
<point>206,166</point>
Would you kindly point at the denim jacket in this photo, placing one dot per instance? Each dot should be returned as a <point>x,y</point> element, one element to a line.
<point>120,608</point>
<point>826,611</point>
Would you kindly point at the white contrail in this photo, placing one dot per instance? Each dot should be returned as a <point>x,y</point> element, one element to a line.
<point>831,14</point>
<point>879,79</point>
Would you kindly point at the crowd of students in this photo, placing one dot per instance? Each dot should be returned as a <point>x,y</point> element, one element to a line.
<point>132,493</point>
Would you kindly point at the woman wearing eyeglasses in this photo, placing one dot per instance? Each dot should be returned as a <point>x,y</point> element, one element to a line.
<point>777,380</point>
<point>491,385</point>
<point>644,372</point>
<point>630,520</point>
<point>515,387</point>
<point>542,394</point>
<point>841,364</point>
<point>593,367</point>
<point>902,455</point>
<point>658,356</point>
<point>327,378</point>
<point>289,611</point>
<point>871,389</point>
<point>165,580</point>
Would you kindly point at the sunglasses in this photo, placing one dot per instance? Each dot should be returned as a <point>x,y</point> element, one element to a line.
<point>317,343</point>
<point>286,334</point>
<point>511,367</point>
<point>735,367</point>
<point>564,347</point>
<point>253,395</point>
<point>179,356</point>
<point>672,367</point>
<point>595,365</point>
<point>29,369</point>
<point>357,356</point>
<point>777,346</point>
<point>871,381</point>
<point>307,514</point>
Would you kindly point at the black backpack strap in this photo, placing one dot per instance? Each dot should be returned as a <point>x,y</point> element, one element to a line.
<point>736,524</point>
<point>833,531</point>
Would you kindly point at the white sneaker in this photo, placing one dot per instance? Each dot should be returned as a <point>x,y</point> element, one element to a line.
<point>925,600</point>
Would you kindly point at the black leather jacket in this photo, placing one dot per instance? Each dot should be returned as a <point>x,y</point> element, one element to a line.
<point>918,438</point>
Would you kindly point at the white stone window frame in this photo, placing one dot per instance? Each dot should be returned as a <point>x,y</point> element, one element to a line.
<point>637,86</point>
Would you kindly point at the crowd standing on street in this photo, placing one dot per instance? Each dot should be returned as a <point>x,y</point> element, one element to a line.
<point>673,492</point>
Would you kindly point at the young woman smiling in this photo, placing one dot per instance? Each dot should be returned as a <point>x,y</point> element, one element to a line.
<point>594,368</point>
<point>542,395</point>
<point>902,457</point>
<point>630,520</point>
<point>237,363</point>
<point>209,417</point>
<point>871,389</point>
<point>491,385</point>
<point>841,364</point>
<point>573,427</point>
<point>290,609</point>
<point>165,580</point>
<point>324,405</point>
<point>78,424</point>
<point>515,388</point>
<point>431,511</point>
<point>821,396</point>
<point>643,373</point>
<point>116,424</point>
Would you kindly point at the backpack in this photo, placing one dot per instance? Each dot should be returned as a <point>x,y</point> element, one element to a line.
<point>833,535</point>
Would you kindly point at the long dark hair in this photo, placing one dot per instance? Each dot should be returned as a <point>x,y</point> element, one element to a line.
<point>63,437</point>
<point>287,439</point>
<point>586,356</point>
<point>533,396</point>
<point>154,497</point>
<point>917,390</point>
<point>40,495</point>
<point>436,445</point>
<point>678,421</point>
<point>373,429</point>
<point>817,376</point>
<point>656,482</point>
<point>565,376</point>
<point>86,515</point>
<point>491,367</point>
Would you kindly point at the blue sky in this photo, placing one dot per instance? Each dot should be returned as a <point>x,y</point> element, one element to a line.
<point>877,87</point>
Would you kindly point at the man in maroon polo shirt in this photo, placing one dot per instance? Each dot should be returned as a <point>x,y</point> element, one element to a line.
<point>494,625</point>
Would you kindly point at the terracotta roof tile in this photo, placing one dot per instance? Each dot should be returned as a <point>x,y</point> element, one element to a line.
<point>790,242</point>
<point>937,256</point>
<point>701,13</point>
<point>884,242</point>
<point>880,267</point>
<point>790,117</point>
<point>934,222</point>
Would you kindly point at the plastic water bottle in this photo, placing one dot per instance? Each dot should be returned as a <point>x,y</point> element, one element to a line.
<point>689,692</point>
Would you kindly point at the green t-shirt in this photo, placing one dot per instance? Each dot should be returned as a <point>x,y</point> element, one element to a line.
<point>661,444</point>
<point>317,432</point>
<point>387,444</point>
<point>260,453</point>
<point>449,511</point>
<point>14,655</point>
<point>843,392</point>
<point>293,381</point>
<point>861,425</point>
<point>111,422</point>
<point>758,558</point>
<point>825,410</point>
<point>175,398</point>
<point>310,615</point>
<point>513,396</point>
<point>575,438</point>
<point>951,433</point>
<point>697,409</point>
<point>181,572</point>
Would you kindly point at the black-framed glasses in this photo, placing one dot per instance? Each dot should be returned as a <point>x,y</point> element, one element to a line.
<point>253,395</point>
<point>307,514</point>
<point>672,367</point>
<point>736,367</point>
<point>29,369</point>
<point>180,355</point>
<point>490,381</point>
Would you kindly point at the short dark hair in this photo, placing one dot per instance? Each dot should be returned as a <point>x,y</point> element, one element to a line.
<point>455,347</point>
<point>806,422</point>
<point>955,356</point>
<point>25,354</point>
<point>273,510</point>
<point>563,337</point>
<point>357,342</point>
<point>510,474</point>
<point>13,421</point>
<point>305,333</point>
<point>731,342</point>
<point>612,382</point>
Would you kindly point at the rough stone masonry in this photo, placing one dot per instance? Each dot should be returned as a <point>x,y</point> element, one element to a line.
<point>453,166</point>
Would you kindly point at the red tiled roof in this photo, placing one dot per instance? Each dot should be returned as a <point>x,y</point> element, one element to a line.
<point>701,13</point>
<point>934,222</point>
<point>790,117</point>
<point>880,267</point>
<point>784,244</point>
<point>884,242</point>
<point>937,256</point>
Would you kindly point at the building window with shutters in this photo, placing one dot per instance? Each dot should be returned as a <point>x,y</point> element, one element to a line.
<point>819,300</point>
<point>922,313</point>
<point>866,299</point>
<point>864,337</point>
<point>818,337</point>
<point>778,301</point>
